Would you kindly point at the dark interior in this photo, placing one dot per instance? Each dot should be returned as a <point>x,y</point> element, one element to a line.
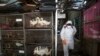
<point>83,13</point>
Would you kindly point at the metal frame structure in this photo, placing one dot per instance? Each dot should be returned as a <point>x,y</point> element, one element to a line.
<point>24,30</point>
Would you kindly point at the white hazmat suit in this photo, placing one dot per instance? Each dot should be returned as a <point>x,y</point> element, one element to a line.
<point>67,34</point>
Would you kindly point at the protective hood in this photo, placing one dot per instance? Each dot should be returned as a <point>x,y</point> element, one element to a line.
<point>69,22</point>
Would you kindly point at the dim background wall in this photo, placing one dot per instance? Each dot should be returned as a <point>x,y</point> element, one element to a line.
<point>92,21</point>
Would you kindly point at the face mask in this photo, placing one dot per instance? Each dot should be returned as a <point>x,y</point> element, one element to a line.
<point>69,26</point>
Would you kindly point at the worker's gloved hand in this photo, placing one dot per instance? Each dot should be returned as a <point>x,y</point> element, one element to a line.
<point>64,42</point>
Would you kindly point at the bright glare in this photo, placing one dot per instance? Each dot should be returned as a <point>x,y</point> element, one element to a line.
<point>2,4</point>
<point>18,20</point>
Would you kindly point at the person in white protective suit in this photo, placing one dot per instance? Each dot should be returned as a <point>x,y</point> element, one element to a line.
<point>67,36</point>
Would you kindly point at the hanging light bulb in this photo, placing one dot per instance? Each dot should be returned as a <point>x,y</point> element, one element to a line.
<point>85,2</point>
